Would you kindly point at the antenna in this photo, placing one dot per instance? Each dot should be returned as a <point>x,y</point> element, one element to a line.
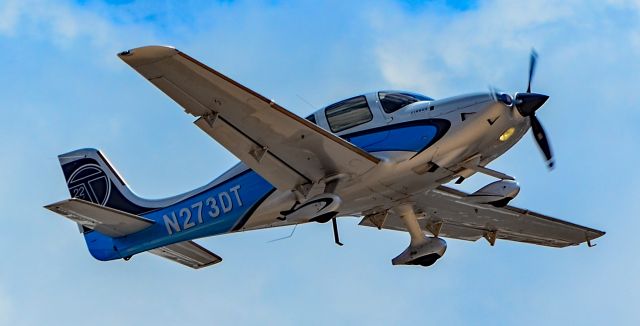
<point>287,237</point>
<point>307,102</point>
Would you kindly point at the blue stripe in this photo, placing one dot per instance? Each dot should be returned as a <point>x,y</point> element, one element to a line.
<point>253,190</point>
<point>413,136</point>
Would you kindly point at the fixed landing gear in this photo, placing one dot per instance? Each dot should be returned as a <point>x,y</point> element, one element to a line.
<point>321,208</point>
<point>336,236</point>
<point>422,250</point>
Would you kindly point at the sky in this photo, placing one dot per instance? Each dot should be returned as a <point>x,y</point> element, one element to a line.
<point>63,88</point>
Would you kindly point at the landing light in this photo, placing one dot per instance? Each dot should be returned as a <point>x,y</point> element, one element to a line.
<point>507,134</point>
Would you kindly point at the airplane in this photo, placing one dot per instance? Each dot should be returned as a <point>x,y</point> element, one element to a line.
<point>383,156</point>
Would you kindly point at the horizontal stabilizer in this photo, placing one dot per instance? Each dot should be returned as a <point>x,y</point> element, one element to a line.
<point>188,253</point>
<point>108,221</point>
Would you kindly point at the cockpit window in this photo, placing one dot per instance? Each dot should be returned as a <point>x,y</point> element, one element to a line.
<point>394,101</point>
<point>348,113</point>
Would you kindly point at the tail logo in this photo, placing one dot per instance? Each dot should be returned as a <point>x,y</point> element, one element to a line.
<point>90,183</point>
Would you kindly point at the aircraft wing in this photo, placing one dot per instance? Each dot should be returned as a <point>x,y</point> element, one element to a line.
<point>469,221</point>
<point>285,149</point>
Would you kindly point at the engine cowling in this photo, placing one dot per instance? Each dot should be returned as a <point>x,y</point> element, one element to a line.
<point>424,254</point>
<point>498,193</point>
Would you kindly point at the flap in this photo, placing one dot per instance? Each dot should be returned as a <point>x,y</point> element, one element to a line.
<point>456,218</point>
<point>106,220</point>
<point>286,150</point>
<point>188,253</point>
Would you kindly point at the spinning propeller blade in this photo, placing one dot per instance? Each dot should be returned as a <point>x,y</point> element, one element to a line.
<point>494,92</point>
<point>527,104</point>
<point>532,67</point>
<point>541,139</point>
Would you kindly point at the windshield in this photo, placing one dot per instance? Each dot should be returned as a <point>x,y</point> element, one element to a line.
<point>394,101</point>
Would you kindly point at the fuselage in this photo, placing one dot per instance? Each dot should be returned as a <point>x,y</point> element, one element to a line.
<point>422,143</point>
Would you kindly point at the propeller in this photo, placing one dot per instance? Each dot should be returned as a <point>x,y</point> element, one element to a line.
<point>541,138</point>
<point>493,92</point>
<point>499,96</point>
<point>533,59</point>
<point>527,104</point>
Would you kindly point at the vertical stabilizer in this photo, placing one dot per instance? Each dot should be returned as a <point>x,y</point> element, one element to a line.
<point>91,177</point>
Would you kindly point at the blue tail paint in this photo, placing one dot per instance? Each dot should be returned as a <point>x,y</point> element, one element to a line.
<point>222,206</point>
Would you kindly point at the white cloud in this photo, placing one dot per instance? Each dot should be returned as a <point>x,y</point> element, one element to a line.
<point>587,64</point>
<point>445,53</point>
<point>67,25</point>
<point>6,308</point>
<point>45,19</point>
<point>10,13</point>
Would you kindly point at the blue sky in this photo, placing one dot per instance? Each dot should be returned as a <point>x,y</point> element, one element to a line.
<point>64,88</point>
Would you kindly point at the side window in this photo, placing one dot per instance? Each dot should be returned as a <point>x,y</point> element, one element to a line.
<point>312,118</point>
<point>348,113</point>
<point>394,101</point>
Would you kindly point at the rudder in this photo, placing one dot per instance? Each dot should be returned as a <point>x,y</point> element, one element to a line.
<point>91,177</point>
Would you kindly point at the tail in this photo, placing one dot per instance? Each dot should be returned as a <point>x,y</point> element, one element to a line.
<point>91,177</point>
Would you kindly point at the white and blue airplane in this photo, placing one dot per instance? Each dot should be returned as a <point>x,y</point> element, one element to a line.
<point>383,156</point>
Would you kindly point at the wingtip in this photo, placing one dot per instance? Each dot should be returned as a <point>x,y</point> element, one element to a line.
<point>146,54</point>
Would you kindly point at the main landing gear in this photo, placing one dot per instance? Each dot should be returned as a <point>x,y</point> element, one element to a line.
<point>422,250</point>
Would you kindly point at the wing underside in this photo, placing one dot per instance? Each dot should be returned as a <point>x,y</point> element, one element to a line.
<point>445,212</point>
<point>286,150</point>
